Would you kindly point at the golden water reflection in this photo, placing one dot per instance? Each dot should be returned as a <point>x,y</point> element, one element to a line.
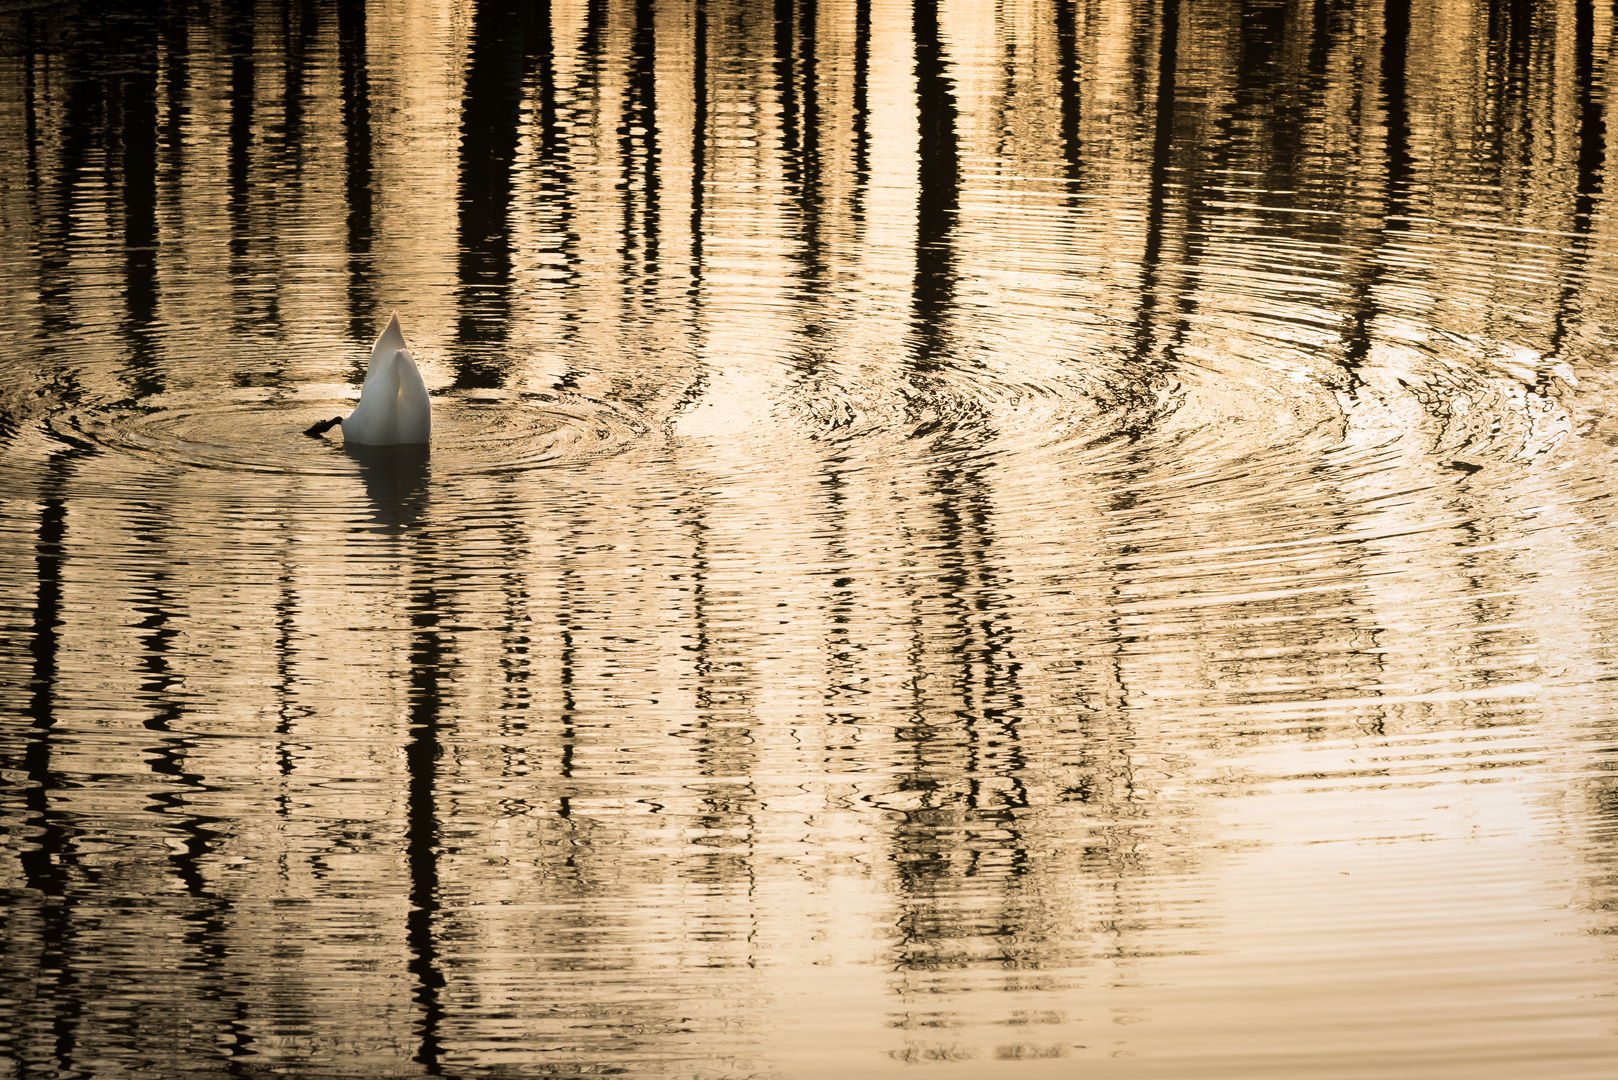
<point>1003,538</point>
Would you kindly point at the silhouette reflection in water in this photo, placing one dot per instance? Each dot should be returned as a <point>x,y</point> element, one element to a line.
<point>395,479</point>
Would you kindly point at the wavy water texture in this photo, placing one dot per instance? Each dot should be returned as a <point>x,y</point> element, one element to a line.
<point>258,433</point>
<point>1006,540</point>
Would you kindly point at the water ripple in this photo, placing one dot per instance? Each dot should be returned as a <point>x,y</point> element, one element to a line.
<point>252,431</point>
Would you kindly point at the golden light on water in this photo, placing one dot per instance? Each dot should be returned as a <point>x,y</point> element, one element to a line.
<point>987,539</point>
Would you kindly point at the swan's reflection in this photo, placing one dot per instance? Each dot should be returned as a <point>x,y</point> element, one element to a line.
<point>395,479</point>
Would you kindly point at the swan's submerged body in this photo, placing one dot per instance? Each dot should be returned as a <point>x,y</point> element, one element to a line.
<point>393,409</point>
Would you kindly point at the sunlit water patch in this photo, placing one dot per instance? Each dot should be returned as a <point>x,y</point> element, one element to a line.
<point>1044,539</point>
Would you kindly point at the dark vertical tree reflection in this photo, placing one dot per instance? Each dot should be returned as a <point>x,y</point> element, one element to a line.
<point>1156,292</point>
<point>1398,183</point>
<point>358,173</point>
<point>425,826</point>
<point>502,38</point>
<point>938,189</point>
<point>903,468</point>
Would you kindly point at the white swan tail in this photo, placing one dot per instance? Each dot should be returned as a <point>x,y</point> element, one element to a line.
<point>394,409</point>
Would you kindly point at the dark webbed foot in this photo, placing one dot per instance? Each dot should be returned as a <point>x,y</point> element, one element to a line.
<point>323,426</point>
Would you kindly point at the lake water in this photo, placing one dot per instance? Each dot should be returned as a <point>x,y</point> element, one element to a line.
<point>1005,540</point>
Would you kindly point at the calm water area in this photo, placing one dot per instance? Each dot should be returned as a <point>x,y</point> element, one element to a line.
<point>982,539</point>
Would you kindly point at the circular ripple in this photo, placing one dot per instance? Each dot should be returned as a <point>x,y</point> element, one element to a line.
<point>471,434</point>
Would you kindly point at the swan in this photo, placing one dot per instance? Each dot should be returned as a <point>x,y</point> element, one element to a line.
<point>393,408</point>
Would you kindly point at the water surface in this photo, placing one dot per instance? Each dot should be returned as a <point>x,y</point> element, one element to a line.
<point>1020,539</point>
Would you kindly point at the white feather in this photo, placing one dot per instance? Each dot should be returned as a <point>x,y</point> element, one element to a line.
<point>393,409</point>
